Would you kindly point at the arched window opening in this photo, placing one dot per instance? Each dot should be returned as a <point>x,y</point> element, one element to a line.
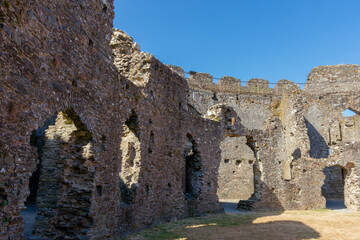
<point>214,97</point>
<point>348,113</point>
<point>151,142</point>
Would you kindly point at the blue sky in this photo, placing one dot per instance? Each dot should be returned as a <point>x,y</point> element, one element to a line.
<point>269,39</point>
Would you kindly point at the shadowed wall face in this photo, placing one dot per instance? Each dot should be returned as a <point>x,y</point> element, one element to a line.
<point>193,169</point>
<point>54,57</point>
<point>333,188</point>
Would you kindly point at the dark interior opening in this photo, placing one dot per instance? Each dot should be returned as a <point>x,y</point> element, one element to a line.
<point>37,139</point>
<point>193,169</point>
<point>333,188</point>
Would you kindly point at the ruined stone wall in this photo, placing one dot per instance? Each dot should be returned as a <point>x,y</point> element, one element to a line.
<point>147,126</point>
<point>54,59</point>
<point>167,122</point>
<point>236,178</point>
<point>297,130</point>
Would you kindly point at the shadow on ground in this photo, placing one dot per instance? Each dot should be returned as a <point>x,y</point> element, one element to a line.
<point>286,230</point>
<point>248,228</point>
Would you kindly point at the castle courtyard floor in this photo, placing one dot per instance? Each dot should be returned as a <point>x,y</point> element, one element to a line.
<point>289,225</point>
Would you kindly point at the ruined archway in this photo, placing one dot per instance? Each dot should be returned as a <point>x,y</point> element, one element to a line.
<point>193,169</point>
<point>61,187</point>
<point>131,159</point>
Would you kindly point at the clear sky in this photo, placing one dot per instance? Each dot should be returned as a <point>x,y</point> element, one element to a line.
<point>269,39</point>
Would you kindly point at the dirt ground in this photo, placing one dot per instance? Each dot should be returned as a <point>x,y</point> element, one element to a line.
<point>289,225</point>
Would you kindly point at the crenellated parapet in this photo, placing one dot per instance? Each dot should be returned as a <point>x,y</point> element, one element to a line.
<point>284,85</point>
<point>258,85</point>
<point>203,80</point>
<point>228,83</point>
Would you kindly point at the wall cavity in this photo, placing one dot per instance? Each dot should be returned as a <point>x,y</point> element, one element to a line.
<point>236,176</point>
<point>193,169</point>
<point>131,156</point>
<point>61,187</point>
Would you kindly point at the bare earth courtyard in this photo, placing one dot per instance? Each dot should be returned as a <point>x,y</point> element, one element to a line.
<point>289,225</point>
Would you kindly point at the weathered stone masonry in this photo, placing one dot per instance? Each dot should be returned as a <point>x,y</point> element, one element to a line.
<point>54,60</point>
<point>299,133</point>
<point>118,141</point>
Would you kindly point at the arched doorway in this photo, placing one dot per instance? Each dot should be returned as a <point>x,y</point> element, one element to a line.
<point>61,187</point>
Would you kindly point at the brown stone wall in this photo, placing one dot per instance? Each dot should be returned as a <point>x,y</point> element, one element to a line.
<point>54,58</point>
<point>134,170</point>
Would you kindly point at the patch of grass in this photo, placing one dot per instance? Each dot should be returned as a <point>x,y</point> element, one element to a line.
<point>228,220</point>
<point>178,229</point>
<point>161,235</point>
<point>259,225</point>
<point>321,210</point>
<point>161,232</point>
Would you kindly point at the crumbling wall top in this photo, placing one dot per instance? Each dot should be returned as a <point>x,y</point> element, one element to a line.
<point>228,83</point>
<point>284,85</point>
<point>258,83</point>
<point>123,43</point>
<point>177,70</point>
<point>334,79</point>
<point>201,79</point>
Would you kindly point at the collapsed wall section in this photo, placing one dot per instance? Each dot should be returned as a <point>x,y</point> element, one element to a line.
<point>178,158</point>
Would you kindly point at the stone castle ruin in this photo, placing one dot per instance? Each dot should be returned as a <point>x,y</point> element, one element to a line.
<point>104,140</point>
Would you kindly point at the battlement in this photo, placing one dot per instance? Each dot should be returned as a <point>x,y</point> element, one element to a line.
<point>321,80</point>
<point>258,83</point>
<point>233,85</point>
<point>284,85</point>
<point>228,83</point>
